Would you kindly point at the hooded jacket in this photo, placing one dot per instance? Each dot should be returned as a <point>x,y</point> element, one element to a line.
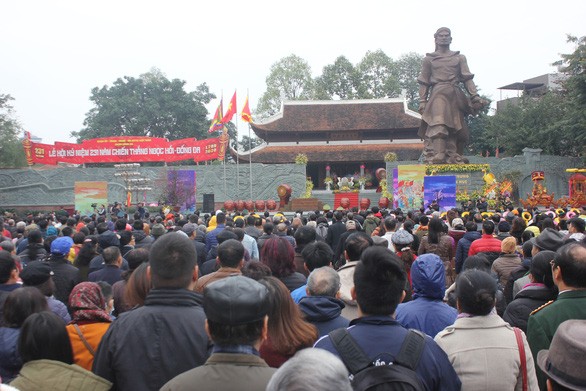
<point>324,313</point>
<point>427,312</point>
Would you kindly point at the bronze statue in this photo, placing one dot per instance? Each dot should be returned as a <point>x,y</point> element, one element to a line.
<point>443,104</point>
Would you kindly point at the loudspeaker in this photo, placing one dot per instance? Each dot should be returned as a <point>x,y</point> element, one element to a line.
<point>208,203</point>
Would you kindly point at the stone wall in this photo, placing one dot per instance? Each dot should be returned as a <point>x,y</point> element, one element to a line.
<point>53,186</point>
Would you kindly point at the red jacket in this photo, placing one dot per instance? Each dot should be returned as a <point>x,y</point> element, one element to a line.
<point>486,244</point>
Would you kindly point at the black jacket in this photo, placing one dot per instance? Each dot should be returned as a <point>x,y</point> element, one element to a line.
<point>66,277</point>
<point>463,248</point>
<point>526,301</point>
<point>146,347</point>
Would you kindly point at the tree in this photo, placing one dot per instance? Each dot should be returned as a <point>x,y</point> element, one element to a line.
<point>338,80</point>
<point>289,79</point>
<point>150,105</point>
<point>11,150</point>
<point>248,143</point>
<point>377,76</point>
<point>409,67</point>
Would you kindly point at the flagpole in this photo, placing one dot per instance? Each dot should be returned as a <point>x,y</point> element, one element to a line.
<point>237,166</point>
<point>249,151</point>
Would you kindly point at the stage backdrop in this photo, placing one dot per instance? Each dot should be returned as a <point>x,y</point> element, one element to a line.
<point>181,188</point>
<point>442,189</point>
<point>410,186</point>
<point>88,193</point>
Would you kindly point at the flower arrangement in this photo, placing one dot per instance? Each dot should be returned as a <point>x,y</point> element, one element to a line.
<point>328,180</point>
<point>440,168</point>
<point>301,158</point>
<point>308,189</point>
<point>384,189</point>
<point>390,157</point>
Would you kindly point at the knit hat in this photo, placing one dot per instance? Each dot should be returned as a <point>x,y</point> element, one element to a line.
<point>36,273</point>
<point>61,245</point>
<point>402,238</point>
<point>158,230</point>
<point>457,221</point>
<point>52,231</point>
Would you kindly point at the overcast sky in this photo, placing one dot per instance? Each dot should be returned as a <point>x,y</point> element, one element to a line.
<point>55,52</point>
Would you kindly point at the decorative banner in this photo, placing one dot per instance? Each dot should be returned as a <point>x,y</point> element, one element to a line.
<point>90,196</point>
<point>395,188</point>
<point>441,189</point>
<point>181,188</point>
<point>122,150</point>
<point>410,186</point>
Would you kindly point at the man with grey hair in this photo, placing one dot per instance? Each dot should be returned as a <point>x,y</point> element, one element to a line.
<point>311,369</point>
<point>322,306</point>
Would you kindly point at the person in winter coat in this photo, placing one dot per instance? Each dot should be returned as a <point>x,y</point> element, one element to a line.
<point>140,237</point>
<point>464,244</point>
<point>539,291</point>
<point>427,312</point>
<point>20,303</point>
<point>508,262</point>
<point>322,306</point>
<point>439,243</point>
<point>48,359</point>
<point>482,348</point>
<point>89,324</point>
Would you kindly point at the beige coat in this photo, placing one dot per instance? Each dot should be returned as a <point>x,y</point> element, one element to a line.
<point>483,351</point>
<point>49,375</point>
<point>346,273</point>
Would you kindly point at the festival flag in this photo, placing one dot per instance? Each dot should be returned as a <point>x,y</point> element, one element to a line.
<point>231,109</point>
<point>217,123</point>
<point>245,115</point>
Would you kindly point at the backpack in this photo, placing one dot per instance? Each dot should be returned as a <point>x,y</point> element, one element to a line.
<point>399,375</point>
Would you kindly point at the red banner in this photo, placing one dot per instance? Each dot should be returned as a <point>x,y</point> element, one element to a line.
<point>123,150</point>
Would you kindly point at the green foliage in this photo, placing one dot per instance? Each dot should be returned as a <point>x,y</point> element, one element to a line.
<point>308,189</point>
<point>301,158</point>
<point>289,79</point>
<point>378,76</point>
<point>337,81</point>
<point>150,105</point>
<point>248,143</point>
<point>11,150</point>
<point>390,157</point>
<point>409,67</point>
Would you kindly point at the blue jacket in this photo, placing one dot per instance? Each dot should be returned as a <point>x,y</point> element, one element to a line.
<point>10,362</point>
<point>427,312</point>
<point>324,313</point>
<point>463,247</point>
<point>381,338</point>
<point>212,237</point>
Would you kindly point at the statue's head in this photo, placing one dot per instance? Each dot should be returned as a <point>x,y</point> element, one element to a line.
<point>443,36</point>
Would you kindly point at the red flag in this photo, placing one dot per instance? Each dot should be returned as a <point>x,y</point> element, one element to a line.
<point>128,199</point>
<point>231,109</point>
<point>217,123</point>
<point>245,115</point>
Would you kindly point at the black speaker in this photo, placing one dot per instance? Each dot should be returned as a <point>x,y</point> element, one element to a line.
<point>208,203</point>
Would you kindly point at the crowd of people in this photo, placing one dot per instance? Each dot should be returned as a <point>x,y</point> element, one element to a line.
<point>314,300</point>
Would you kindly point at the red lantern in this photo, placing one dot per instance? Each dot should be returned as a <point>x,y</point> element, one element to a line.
<point>271,204</point>
<point>260,205</point>
<point>383,202</point>
<point>240,205</point>
<point>249,205</point>
<point>229,205</point>
<point>345,202</point>
<point>364,203</point>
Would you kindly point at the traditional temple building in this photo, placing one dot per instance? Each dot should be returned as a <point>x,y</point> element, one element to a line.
<point>342,135</point>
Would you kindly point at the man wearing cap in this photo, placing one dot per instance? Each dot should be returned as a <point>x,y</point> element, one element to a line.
<point>564,363</point>
<point>66,276</point>
<point>150,345</point>
<point>39,275</point>
<point>549,239</point>
<point>231,260</point>
<point>236,310</point>
<point>569,275</point>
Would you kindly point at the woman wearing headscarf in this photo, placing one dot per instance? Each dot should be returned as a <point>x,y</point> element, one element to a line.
<point>89,322</point>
